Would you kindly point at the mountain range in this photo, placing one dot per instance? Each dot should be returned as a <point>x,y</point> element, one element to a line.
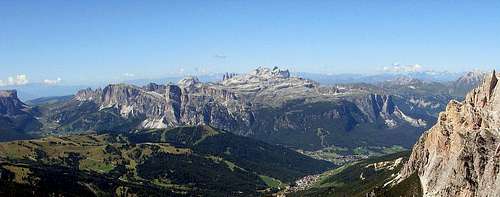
<point>31,91</point>
<point>265,104</point>
<point>249,130</point>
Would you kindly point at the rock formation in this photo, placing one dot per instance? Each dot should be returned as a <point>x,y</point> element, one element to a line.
<point>16,118</point>
<point>460,155</point>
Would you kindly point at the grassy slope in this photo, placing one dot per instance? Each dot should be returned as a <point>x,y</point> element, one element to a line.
<point>187,160</point>
<point>347,181</point>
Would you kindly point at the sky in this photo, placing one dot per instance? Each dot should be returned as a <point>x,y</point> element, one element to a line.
<point>86,41</point>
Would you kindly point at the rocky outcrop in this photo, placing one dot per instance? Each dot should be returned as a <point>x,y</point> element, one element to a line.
<point>10,104</point>
<point>188,103</point>
<point>460,155</point>
<point>16,118</point>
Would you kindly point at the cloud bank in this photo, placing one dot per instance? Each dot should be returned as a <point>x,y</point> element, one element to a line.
<point>52,81</point>
<point>396,68</point>
<point>20,79</point>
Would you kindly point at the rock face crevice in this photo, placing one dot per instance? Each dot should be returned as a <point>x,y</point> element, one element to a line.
<point>459,156</point>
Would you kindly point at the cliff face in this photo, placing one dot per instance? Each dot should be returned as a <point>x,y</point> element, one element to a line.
<point>188,103</point>
<point>10,104</point>
<point>16,118</point>
<point>460,155</point>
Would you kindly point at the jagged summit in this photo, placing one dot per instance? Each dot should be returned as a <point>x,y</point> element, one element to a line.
<point>268,82</point>
<point>189,82</point>
<point>482,96</point>
<point>460,155</point>
<point>16,118</point>
<point>8,93</point>
<point>468,81</point>
<point>259,74</point>
<point>472,76</point>
<point>10,103</point>
<point>270,73</point>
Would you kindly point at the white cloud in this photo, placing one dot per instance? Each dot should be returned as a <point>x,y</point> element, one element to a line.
<point>396,68</point>
<point>218,56</point>
<point>52,81</point>
<point>20,79</point>
<point>129,74</point>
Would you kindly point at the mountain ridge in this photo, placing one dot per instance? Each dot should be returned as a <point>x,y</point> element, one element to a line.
<point>267,104</point>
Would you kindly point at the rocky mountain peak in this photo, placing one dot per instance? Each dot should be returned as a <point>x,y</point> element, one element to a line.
<point>16,118</point>
<point>276,72</point>
<point>228,76</point>
<point>460,155</point>
<point>266,80</point>
<point>189,82</point>
<point>87,94</point>
<point>404,80</point>
<point>482,95</point>
<point>8,93</point>
<point>10,103</point>
<point>467,82</point>
<point>472,76</point>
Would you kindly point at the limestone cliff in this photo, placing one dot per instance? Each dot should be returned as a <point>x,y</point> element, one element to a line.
<point>460,155</point>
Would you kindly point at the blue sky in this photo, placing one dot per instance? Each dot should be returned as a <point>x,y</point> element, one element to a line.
<point>85,41</point>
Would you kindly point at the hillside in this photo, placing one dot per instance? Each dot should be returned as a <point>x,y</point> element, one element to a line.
<point>183,161</point>
<point>364,178</point>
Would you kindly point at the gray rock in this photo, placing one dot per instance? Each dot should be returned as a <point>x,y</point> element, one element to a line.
<point>459,156</point>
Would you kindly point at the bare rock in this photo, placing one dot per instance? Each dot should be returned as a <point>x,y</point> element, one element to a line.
<point>459,155</point>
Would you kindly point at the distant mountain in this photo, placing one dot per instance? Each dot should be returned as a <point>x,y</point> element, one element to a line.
<point>37,90</point>
<point>467,82</point>
<point>173,79</point>
<point>331,79</point>
<point>185,161</point>
<point>17,120</point>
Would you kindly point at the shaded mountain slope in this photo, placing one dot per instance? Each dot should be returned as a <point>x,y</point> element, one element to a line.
<point>17,120</point>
